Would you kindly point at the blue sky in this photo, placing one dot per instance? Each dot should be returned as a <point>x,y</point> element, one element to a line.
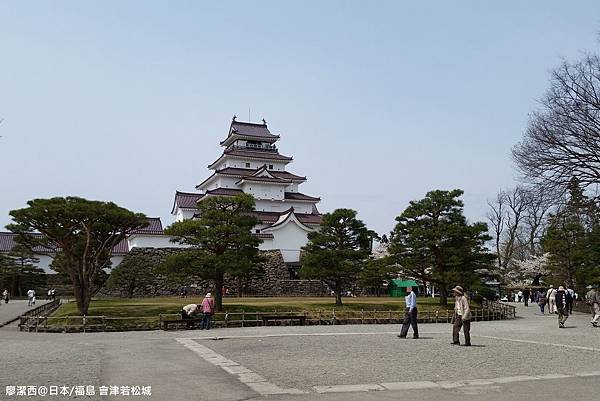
<point>378,102</point>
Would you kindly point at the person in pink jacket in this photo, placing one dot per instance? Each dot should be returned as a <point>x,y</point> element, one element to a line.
<point>208,308</point>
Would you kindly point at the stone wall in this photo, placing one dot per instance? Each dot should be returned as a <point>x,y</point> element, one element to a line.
<point>274,281</point>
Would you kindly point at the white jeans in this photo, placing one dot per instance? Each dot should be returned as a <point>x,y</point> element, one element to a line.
<point>596,317</point>
<point>551,305</point>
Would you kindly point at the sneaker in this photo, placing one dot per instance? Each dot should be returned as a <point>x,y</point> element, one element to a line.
<point>415,337</point>
<point>595,324</point>
<point>399,336</point>
<point>467,345</point>
<point>560,325</point>
<point>454,343</point>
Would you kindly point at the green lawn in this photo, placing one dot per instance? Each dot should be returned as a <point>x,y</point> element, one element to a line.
<point>152,307</point>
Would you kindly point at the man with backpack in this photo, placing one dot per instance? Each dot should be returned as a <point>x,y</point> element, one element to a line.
<point>563,300</point>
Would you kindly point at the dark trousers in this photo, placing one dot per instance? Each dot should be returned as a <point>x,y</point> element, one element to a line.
<point>206,321</point>
<point>185,316</point>
<point>410,319</point>
<point>466,325</point>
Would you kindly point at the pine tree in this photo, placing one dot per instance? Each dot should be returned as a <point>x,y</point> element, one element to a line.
<point>433,242</point>
<point>336,252</point>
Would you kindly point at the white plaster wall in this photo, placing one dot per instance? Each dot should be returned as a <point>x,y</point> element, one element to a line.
<point>223,182</point>
<point>265,205</point>
<point>237,162</point>
<point>115,261</point>
<point>289,239</point>
<point>292,187</point>
<point>263,191</point>
<point>44,263</point>
<point>152,241</point>
<point>184,214</point>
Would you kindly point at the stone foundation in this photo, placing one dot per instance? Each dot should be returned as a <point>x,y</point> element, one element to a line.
<point>274,281</point>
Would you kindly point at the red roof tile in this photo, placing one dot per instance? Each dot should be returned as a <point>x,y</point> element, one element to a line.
<point>256,154</point>
<point>185,200</point>
<point>247,172</point>
<point>300,196</point>
<point>7,239</point>
<point>224,191</point>
<point>272,217</point>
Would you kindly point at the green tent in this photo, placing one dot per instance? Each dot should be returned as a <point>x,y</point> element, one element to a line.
<point>397,287</point>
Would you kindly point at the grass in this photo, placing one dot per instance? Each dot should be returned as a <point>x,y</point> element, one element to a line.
<point>153,307</point>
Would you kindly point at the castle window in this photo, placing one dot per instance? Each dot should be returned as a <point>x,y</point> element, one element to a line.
<point>270,167</point>
<point>247,165</point>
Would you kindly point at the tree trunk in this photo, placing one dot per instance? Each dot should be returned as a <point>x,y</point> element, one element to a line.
<point>240,284</point>
<point>443,295</point>
<point>219,292</point>
<point>83,296</point>
<point>338,298</point>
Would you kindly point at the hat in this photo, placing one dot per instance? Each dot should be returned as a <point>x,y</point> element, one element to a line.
<point>208,295</point>
<point>561,288</point>
<point>458,289</point>
<point>589,287</point>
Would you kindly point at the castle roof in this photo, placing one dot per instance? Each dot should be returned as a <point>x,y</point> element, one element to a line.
<point>247,172</point>
<point>7,239</point>
<point>247,130</point>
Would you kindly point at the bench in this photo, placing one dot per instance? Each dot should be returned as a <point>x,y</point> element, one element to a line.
<point>300,318</point>
<point>168,322</point>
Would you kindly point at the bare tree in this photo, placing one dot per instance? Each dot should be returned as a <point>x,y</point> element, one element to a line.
<point>496,216</point>
<point>562,139</point>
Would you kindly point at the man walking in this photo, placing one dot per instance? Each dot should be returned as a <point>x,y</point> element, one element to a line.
<point>208,307</point>
<point>551,297</point>
<point>592,298</point>
<point>462,317</point>
<point>31,297</point>
<point>526,294</point>
<point>563,299</point>
<point>410,314</point>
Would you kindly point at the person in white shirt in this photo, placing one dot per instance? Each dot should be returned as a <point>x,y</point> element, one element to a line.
<point>187,312</point>
<point>410,315</point>
<point>551,296</point>
<point>31,297</point>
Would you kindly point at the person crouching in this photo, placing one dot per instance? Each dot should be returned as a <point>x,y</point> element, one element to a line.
<point>187,313</point>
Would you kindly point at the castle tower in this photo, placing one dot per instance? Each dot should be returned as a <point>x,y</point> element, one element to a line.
<point>251,163</point>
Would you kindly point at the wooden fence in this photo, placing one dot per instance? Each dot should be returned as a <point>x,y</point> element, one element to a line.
<point>490,311</point>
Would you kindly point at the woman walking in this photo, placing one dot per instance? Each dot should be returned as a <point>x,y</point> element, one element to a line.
<point>541,301</point>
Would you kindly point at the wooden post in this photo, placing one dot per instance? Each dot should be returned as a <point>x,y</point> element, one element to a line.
<point>362,316</point>
<point>243,315</point>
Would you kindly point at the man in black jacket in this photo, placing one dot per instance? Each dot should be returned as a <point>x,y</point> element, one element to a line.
<point>563,299</point>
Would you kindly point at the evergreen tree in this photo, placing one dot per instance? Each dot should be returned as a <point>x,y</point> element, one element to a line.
<point>376,273</point>
<point>220,240</point>
<point>134,272</point>
<point>433,242</point>
<point>573,240</point>
<point>84,231</point>
<point>335,254</point>
<point>19,273</point>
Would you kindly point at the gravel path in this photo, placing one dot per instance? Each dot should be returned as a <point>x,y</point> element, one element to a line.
<point>14,308</point>
<point>310,356</point>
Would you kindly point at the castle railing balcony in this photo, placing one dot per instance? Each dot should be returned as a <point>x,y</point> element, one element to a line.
<point>255,148</point>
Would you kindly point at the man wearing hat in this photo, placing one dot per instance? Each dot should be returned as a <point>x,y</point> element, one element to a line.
<point>592,298</point>
<point>208,307</point>
<point>563,299</point>
<point>462,317</point>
